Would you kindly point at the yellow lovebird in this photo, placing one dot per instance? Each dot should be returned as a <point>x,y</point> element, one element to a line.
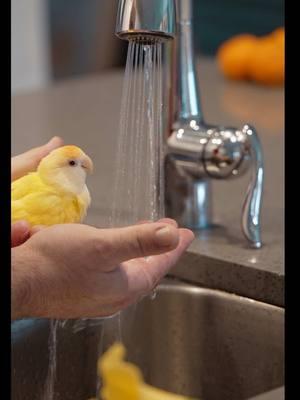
<point>56,193</point>
<point>124,381</point>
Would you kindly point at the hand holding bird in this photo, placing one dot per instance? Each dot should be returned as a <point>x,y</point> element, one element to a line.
<point>70,270</point>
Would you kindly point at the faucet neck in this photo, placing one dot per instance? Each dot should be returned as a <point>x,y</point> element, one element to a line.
<point>186,91</point>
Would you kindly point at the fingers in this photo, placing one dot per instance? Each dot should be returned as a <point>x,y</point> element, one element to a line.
<point>122,244</point>
<point>144,221</point>
<point>160,265</point>
<point>29,161</point>
<point>169,221</point>
<point>144,275</point>
<point>136,278</point>
<point>19,233</point>
<point>164,220</point>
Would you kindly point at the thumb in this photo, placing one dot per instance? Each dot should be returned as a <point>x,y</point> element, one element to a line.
<point>19,233</point>
<point>123,244</point>
<point>29,161</point>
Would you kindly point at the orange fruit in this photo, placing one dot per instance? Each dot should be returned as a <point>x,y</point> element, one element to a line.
<point>279,36</point>
<point>267,63</point>
<point>248,57</point>
<point>233,56</point>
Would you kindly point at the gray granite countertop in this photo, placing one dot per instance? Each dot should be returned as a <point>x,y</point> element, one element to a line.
<point>85,112</point>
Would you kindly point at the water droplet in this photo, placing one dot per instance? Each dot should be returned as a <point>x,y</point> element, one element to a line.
<point>153,294</point>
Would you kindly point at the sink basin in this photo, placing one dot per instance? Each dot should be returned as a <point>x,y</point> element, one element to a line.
<point>189,340</point>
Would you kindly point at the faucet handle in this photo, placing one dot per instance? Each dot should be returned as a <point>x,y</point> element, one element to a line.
<point>252,204</point>
<point>228,154</point>
<point>205,151</point>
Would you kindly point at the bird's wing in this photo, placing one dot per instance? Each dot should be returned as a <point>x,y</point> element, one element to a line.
<point>24,186</point>
<point>45,208</point>
<point>41,204</point>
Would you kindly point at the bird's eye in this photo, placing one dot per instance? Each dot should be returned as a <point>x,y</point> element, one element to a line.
<point>72,163</point>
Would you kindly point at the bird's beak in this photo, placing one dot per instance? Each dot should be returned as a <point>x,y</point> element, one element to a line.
<point>87,164</point>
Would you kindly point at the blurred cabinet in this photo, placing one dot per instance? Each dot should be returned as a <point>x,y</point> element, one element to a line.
<point>217,20</point>
<point>82,37</point>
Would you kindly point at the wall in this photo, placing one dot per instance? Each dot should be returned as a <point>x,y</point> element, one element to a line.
<point>30,67</point>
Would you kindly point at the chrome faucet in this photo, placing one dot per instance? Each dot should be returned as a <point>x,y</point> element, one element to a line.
<point>196,152</point>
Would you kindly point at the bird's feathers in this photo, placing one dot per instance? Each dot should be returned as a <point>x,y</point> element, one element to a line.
<point>46,202</point>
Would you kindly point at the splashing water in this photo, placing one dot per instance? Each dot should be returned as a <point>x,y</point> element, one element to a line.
<point>49,388</point>
<point>51,375</point>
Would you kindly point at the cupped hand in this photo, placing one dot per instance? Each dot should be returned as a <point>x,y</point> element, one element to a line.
<point>74,270</point>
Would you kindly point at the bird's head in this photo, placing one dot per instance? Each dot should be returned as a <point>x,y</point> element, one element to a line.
<point>66,167</point>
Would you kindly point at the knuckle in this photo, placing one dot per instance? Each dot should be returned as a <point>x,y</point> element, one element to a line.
<point>102,248</point>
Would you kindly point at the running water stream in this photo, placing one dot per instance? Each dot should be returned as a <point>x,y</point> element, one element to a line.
<point>51,375</point>
<point>139,170</point>
<point>139,183</point>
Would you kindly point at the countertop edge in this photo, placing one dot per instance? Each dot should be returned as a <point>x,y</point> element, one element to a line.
<point>256,284</point>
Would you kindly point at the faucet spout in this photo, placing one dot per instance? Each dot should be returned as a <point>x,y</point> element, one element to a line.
<point>186,89</point>
<point>146,20</point>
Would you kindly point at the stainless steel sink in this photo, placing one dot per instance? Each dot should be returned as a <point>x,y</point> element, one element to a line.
<point>189,340</point>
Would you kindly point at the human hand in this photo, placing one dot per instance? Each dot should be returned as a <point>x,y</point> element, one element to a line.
<point>29,161</point>
<point>73,270</point>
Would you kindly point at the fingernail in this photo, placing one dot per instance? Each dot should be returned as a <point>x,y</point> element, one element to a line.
<point>51,141</point>
<point>166,236</point>
<point>54,143</point>
<point>192,234</point>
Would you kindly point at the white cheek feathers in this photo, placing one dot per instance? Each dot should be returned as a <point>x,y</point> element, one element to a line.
<point>72,178</point>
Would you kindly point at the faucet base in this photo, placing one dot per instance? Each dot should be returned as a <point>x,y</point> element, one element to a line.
<point>187,200</point>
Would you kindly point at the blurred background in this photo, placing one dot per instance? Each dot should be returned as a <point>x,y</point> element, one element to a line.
<point>55,39</point>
